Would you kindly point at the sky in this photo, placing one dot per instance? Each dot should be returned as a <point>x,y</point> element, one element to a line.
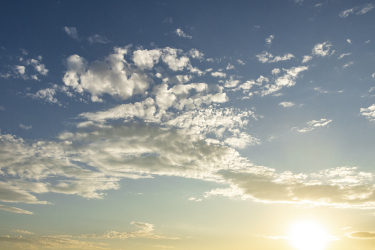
<point>187,124</point>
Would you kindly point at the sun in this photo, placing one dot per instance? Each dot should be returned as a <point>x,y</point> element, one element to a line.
<point>308,235</point>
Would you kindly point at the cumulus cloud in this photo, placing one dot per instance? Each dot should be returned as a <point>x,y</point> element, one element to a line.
<point>98,39</point>
<point>311,125</point>
<point>15,210</point>
<point>113,76</point>
<point>145,59</point>
<point>369,112</point>
<point>321,49</point>
<point>180,33</point>
<point>286,104</point>
<point>175,59</point>
<point>72,32</point>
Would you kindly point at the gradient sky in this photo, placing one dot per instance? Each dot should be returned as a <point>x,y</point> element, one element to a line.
<point>186,124</point>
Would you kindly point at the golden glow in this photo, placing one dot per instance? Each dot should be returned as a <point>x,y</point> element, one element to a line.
<point>307,235</point>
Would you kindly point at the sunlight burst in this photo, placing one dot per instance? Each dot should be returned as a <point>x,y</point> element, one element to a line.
<point>307,235</point>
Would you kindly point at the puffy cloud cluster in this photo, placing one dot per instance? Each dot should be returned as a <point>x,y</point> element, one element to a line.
<point>113,76</point>
<point>369,112</point>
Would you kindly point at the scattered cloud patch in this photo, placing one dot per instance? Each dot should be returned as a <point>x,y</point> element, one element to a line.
<point>306,58</point>
<point>286,104</point>
<point>72,32</point>
<point>321,49</point>
<point>25,127</point>
<point>311,125</point>
<point>369,112</point>
<point>287,80</point>
<point>98,39</point>
<point>362,10</point>
<point>230,66</point>
<point>219,74</point>
<point>180,33</point>
<point>347,65</point>
<point>267,57</point>
<point>342,55</point>
<point>269,40</point>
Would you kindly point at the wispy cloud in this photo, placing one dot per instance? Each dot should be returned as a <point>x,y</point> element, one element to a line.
<point>72,32</point>
<point>311,125</point>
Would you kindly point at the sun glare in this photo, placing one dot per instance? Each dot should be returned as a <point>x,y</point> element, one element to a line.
<point>307,235</point>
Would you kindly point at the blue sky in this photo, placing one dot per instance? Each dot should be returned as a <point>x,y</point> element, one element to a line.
<point>186,124</point>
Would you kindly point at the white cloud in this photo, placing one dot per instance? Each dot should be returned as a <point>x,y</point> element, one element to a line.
<point>25,127</point>
<point>369,112</point>
<point>349,41</point>
<point>241,140</point>
<point>20,69</point>
<point>14,210</point>
<point>286,57</point>
<point>286,104</point>
<point>265,57</point>
<point>46,94</point>
<point>366,8</point>
<point>275,71</point>
<point>175,59</point>
<point>347,65</point>
<point>306,58</point>
<point>363,10</point>
<point>264,185</point>
<point>373,75</point>
<point>113,76</point>
<point>311,125</point>
<point>240,62</point>
<point>321,49</point>
<point>346,13</point>
<point>72,32</point>
<point>145,59</point>
<point>180,33</point>
<point>269,40</point>
<point>342,55</point>
<point>231,83</point>
<point>194,53</point>
<point>218,74</point>
<point>287,80</point>
<point>230,66</point>
<point>98,39</point>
